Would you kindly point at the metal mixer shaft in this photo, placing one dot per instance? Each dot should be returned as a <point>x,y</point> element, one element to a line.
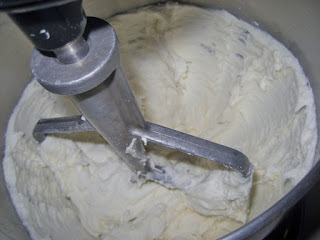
<point>88,70</point>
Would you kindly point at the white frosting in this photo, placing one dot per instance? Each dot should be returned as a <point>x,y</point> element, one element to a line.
<point>198,71</point>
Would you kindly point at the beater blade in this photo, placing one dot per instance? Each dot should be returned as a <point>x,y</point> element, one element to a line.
<point>81,59</point>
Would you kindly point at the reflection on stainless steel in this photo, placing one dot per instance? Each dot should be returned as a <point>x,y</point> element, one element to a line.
<point>73,52</point>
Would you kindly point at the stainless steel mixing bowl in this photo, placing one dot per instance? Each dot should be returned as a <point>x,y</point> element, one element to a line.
<point>295,23</point>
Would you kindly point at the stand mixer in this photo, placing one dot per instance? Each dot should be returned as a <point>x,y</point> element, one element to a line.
<point>80,57</point>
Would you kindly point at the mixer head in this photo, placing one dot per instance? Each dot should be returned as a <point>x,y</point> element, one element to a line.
<point>80,57</point>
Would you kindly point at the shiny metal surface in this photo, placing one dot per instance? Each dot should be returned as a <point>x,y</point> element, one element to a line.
<point>195,146</point>
<point>151,132</point>
<point>112,110</point>
<point>293,23</point>
<point>61,125</point>
<point>72,52</point>
<point>86,74</point>
<point>99,89</point>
